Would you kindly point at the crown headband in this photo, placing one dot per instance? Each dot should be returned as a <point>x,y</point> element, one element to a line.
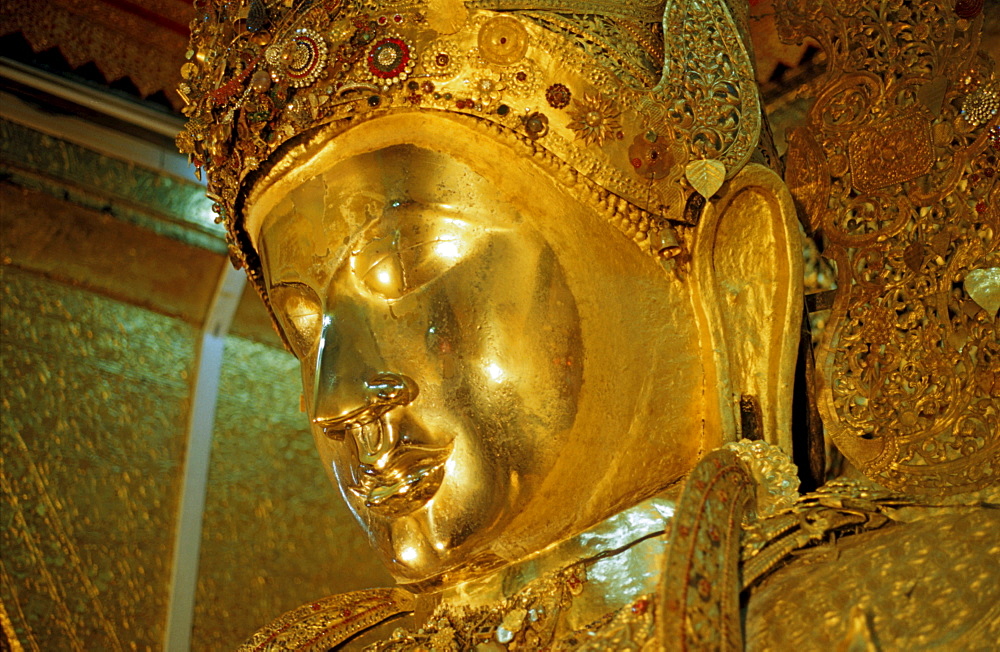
<point>587,90</point>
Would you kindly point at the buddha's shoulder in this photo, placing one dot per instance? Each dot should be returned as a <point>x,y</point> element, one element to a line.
<point>931,583</point>
<point>333,621</point>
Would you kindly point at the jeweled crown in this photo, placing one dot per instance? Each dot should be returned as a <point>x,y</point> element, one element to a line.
<point>593,82</point>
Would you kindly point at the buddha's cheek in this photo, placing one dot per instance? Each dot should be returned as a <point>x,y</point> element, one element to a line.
<point>494,346</point>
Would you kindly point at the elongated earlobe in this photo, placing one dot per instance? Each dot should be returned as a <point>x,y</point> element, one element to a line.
<point>748,265</point>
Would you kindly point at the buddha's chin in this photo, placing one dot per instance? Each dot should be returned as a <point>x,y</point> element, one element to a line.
<point>422,564</point>
<point>439,543</point>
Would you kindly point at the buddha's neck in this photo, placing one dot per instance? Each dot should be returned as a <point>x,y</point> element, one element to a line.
<point>620,558</point>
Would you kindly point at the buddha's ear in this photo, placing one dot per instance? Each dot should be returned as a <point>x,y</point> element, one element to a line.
<point>747,264</point>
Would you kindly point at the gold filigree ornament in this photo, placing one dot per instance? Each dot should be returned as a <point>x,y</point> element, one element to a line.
<point>775,475</point>
<point>269,79</point>
<point>896,168</point>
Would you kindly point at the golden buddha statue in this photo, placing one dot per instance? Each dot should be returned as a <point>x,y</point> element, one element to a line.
<point>545,286</point>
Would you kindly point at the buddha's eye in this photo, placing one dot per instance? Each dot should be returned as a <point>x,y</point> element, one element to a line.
<point>300,314</point>
<point>412,256</point>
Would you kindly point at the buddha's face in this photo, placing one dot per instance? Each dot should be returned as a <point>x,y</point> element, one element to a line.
<point>487,370</point>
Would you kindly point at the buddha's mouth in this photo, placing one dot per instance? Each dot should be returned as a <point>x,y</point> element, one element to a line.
<point>394,474</point>
<point>410,479</point>
<point>402,489</point>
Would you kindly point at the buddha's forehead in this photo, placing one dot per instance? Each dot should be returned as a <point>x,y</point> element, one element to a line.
<point>350,192</point>
<point>321,217</point>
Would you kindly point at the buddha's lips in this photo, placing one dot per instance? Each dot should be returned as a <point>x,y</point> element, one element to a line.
<point>410,477</point>
<point>393,474</point>
<point>407,493</point>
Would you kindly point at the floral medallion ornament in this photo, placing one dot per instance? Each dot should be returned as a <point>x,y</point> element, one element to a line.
<point>300,59</point>
<point>595,120</point>
<point>652,157</point>
<point>503,40</point>
<point>489,89</point>
<point>524,79</point>
<point>558,96</point>
<point>536,125</point>
<point>982,105</point>
<point>390,60</point>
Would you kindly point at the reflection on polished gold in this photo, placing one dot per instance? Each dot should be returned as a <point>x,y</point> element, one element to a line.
<point>462,375</point>
<point>540,290</point>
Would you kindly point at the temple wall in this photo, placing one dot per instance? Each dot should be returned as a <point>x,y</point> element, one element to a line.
<point>95,398</point>
<point>103,294</point>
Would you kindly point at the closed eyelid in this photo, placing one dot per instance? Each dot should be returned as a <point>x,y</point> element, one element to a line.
<point>398,263</point>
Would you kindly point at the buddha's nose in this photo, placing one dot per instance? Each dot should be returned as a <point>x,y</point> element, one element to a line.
<point>351,385</point>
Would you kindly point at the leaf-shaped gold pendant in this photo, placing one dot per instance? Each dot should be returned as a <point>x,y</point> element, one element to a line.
<point>983,286</point>
<point>706,176</point>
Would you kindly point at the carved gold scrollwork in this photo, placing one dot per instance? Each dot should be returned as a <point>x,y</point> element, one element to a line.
<point>902,185</point>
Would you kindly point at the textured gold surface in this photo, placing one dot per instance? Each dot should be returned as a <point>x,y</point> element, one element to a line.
<point>897,165</point>
<point>94,406</point>
<point>275,533</point>
<point>69,243</point>
<point>164,204</point>
<point>925,585</point>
